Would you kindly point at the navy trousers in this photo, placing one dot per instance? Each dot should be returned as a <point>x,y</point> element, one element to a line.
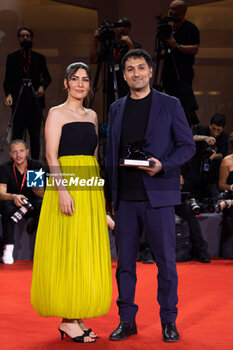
<point>132,218</point>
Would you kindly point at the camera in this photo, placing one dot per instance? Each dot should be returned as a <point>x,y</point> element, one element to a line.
<point>164,29</point>
<point>106,32</point>
<point>222,201</point>
<point>194,206</point>
<point>208,151</point>
<point>18,215</point>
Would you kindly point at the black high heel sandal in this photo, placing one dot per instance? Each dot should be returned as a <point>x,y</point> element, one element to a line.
<point>78,339</point>
<point>87,333</point>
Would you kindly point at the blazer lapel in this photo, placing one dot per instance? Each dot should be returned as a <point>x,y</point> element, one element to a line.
<point>118,122</point>
<point>154,111</point>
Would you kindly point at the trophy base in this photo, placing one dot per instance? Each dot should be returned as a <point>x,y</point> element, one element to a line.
<point>136,162</point>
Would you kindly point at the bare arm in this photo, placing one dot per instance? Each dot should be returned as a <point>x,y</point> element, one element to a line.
<point>210,140</point>
<point>5,196</point>
<point>52,135</point>
<point>38,191</point>
<point>188,49</point>
<point>96,130</point>
<point>223,175</point>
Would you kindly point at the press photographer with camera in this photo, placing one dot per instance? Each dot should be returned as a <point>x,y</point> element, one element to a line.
<point>115,41</point>
<point>16,199</point>
<point>202,171</point>
<point>181,45</point>
<point>26,79</point>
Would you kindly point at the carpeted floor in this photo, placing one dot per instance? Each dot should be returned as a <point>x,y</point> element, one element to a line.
<point>204,320</point>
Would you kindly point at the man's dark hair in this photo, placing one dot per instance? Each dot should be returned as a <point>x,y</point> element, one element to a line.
<point>27,29</point>
<point>137,53</point>
<point>218,119</point>
<point>125,20</point>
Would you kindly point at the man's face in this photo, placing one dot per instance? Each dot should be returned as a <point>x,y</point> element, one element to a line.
<point>137,73</point>
<point>215,130</point>
<point>19,153</point>
<point>119,30</point>
<point>176,9</point>
<point>24,35</point>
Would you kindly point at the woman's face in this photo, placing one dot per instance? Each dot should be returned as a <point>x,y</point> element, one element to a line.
<point>78,84</point>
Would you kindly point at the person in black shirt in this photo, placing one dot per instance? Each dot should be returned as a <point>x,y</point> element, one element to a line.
<point>143,197</point>
<point>202,171</point>
<point>13,188</point>
<point>30,65</point>
<point>122,43</point>
<point>178,70</point>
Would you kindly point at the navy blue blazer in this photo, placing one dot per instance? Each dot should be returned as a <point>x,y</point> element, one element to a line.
<point>168,138</point>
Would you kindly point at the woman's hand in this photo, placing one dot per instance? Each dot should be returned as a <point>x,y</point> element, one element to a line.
<point>66,203</point>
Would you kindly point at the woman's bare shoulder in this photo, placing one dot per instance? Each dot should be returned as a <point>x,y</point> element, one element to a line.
<point>228,160</point>
<point>56,109</point>
<point>56,113</point>
<point>92,114</point>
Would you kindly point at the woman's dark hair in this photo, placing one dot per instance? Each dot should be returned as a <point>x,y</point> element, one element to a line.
<point>137,53</point>
<point>73,67</point>
<point>27,29</point>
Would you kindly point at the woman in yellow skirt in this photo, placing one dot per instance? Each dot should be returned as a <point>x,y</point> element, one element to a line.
<point>72,263</point>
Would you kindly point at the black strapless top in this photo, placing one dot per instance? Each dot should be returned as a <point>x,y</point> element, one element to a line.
<point>78,138</point>
<point>230,178</point>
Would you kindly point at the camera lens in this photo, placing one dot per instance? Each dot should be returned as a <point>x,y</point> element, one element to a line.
<point>194,206</point>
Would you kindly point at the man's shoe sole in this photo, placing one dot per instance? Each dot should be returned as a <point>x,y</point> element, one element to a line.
<point>170,340</point>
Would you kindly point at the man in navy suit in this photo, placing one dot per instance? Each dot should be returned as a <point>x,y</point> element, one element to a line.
<point>143,198</point>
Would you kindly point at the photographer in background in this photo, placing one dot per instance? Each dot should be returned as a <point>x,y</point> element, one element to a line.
<point>202,171</point>
<point>120,44</point>
<point>26,79</point>
<point>178,70</point>
<point>199,247</point>
<point>13,189</point>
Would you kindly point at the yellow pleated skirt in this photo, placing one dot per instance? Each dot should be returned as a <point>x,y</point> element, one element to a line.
<point>72,263</point>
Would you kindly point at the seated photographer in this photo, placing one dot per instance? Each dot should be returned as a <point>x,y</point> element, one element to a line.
<point>115,42</point>
<point>185,211</point>
<point>202,171</point>
<point>14,191</point>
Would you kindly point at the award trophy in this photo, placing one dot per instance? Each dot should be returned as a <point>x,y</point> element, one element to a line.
<point>135,156</point>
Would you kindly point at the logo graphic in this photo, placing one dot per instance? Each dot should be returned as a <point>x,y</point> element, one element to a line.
<point>35,178</point>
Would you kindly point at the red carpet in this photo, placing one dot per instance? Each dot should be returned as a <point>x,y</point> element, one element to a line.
<point>204,320</point>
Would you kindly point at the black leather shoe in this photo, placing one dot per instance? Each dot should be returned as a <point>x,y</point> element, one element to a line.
<point>169,331</point>
<point>124,330</point>
<point>147,257</point>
